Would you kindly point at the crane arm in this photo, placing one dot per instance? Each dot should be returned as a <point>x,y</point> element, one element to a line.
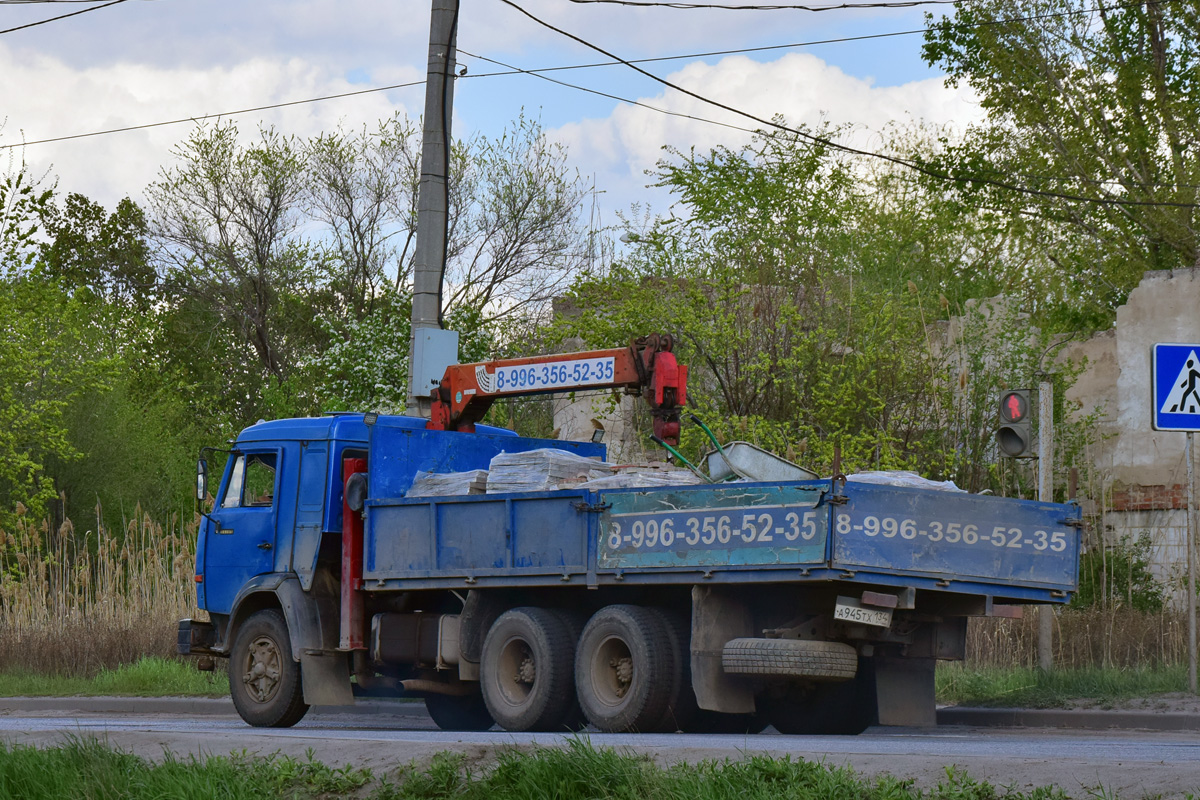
<point>647,367</point>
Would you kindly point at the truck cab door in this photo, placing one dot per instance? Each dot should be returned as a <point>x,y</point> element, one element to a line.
<point>241,537</point>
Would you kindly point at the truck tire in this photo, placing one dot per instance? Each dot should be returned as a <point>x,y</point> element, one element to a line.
<point>459,713</point>
<point>622,669</point>
<point>264,680</point>
<point>573,720</point>
<point>526,669</point>
<point>828,709</point>
<point>681,703</point>
<point>795,658</point>
<point>716,722</point>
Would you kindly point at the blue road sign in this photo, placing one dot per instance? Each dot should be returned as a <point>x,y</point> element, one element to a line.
<point>1175,380</point>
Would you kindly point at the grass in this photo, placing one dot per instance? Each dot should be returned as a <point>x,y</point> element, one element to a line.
<point>88,768</point>
<point>1024,687</point>
<point>148,677</point>
<point>1011,687</point>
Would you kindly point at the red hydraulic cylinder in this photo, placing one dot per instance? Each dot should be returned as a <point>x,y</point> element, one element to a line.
<point>353,631</point>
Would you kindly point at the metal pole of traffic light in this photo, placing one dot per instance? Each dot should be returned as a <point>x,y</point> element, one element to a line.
<point>1046,495</point>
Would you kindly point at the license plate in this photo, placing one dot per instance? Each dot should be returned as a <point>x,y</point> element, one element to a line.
<point>849,610</point>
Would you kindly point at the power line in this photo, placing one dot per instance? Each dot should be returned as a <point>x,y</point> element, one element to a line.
<point>918,167</point>
<point>781,7</point>
<point>638,103</point>
<point>210,116</point>
<point>61,16</point>
<point>513,70</point>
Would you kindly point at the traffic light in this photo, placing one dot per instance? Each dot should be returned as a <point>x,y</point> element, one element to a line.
<point>1015,434</point>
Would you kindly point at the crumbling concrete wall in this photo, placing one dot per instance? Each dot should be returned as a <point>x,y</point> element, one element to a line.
<point>1139,474</point>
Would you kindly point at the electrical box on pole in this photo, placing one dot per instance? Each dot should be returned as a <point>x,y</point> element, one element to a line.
<point>1014,437</point>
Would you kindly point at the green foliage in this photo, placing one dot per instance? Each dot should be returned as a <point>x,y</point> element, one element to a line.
<point>1097,102</point>
<point>788,301</point>
<point>1119,576</point>
<point>23,199</point>
<point>105,254</point>
<point>54,354</point>
<point>365,366</point>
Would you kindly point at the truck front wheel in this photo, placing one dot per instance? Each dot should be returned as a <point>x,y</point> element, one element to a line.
<point>623,669</point>
<point>264,680</point>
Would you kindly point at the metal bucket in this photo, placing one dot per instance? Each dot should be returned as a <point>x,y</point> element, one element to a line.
<point>753,463</point>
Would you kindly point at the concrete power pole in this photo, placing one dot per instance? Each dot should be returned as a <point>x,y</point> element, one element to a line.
<point>431,349</point>
<point>1046,495</point>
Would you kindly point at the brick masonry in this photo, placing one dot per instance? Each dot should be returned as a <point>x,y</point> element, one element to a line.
<point>1158,497</point>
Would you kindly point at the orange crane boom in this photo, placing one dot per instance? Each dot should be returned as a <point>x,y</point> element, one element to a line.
<point>647,368</point>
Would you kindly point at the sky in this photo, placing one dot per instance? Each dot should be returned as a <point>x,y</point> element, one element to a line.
<point>148,61</point>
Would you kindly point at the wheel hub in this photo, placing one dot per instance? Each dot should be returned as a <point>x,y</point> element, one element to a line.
<point>263,669</point>
<point>623,669</point>
<point>527,672</point>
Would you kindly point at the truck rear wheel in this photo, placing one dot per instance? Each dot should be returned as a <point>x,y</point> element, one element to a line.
<point>525,670</point>
<point>681,703</point>
<point>573,720</point>
<point>622,669</point>
<point>264,680</point>
<point>459,713</point>
<point>795,658</point>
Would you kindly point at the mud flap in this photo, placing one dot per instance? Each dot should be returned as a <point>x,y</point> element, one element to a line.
<point>905,691</point>
<point>717,617</point>
<point>326,678</point>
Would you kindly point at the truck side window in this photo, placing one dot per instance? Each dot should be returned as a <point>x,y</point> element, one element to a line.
<point>233,493</point>
<point>260,481</point>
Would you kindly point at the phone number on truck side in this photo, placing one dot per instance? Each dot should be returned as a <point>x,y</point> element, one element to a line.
<point>953,533</point>
<point>740,527</point>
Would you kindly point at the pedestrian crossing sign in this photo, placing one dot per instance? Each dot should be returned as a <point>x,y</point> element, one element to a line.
<point>1175,381</point>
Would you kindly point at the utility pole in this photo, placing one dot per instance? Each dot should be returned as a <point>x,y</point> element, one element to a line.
<point>1046,495</point>
<point>431,349</point>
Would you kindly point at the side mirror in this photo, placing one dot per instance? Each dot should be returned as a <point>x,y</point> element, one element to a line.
<point>201,480</point>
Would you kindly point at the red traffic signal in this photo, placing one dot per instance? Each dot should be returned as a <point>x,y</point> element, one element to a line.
<point>1014,437</point>
<point>1014,406</point>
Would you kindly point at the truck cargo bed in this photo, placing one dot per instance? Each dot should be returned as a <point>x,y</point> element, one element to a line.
<point>804,531</point>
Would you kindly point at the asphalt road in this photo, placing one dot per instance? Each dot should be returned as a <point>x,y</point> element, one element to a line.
<point>1131,764</point>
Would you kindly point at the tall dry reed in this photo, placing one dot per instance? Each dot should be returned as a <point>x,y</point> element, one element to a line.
<point>72,603</point>
<point>1090,637</point>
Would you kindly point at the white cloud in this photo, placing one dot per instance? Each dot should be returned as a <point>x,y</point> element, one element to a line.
<point>57,100</point>
<point>801,87</point>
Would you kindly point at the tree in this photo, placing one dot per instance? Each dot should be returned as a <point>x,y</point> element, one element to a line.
<point>23,199</point>
<point>362,188</point>
<point>107,254</point>
<point>228,219</point>
<point>303,250</point>
<point>1094,101</point>
<point>515,232</point>
<point>782,273</point>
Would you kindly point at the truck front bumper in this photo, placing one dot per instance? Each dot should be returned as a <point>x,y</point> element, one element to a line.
<point>196,638</point>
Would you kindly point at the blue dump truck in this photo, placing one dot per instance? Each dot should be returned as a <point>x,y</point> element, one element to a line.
<point>816,606</point>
